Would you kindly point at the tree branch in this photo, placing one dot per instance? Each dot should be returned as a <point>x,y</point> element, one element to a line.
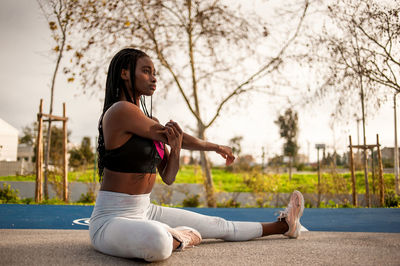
<point>377,43</point>
<point>276,60</point>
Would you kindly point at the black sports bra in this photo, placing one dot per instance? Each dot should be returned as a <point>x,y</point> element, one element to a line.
<point>137,155</point>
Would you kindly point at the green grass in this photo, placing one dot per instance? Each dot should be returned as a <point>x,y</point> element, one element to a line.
<point>18,178</point>
<point>305,182</point>
<point>76,176</point>
<point>83,176</point>
<point>234,182</point>
<point>223,180</point>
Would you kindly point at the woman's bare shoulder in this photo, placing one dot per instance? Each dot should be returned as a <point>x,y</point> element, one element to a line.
<point>122,108</point>
<point>126,117</point>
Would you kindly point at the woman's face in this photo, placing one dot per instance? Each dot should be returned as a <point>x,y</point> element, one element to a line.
<point>145,81</point>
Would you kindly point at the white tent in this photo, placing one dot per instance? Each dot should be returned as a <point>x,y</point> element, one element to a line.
<point>8,142</point>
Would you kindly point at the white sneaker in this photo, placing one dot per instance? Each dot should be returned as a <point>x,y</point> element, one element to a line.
<point>187,236</point>
<point>292,214</point>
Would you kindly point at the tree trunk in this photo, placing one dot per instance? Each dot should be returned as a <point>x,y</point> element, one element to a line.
<point>319,180</point>
<point>290,168</point>
<point>47,154</point>
<point>396,148</point>
<point>207,176</point>
<point>39,156</point>
<point>365,162</point>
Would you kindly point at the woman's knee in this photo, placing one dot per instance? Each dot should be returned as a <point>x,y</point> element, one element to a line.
<point>135,239</point>
<point>158,246</point>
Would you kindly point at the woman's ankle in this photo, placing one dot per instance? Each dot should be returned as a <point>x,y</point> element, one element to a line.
<point>275,228</point>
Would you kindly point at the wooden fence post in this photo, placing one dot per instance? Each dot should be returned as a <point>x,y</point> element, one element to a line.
<point>381,181</point>
<point>353,178</point>
<point>39,155</point>
<point>365,159</point>
<point>39,152</point>
<point>65,161</point>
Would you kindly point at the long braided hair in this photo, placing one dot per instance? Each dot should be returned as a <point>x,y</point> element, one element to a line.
<point>124,59</point>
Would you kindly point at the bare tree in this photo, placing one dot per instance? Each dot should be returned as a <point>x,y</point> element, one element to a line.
<point>384,66</point>
<point>359,45</point>
<point>380,26</point>
<point>58,15</point>
<point>211,53</point>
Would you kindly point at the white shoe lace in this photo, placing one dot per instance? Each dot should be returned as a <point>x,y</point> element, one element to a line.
<point>283,214</point>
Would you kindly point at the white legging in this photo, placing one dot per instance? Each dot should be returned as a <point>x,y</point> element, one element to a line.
<point>130,226</point>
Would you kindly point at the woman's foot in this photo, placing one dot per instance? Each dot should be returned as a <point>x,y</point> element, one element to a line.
<point>292,214</point>
<point>187,236</point>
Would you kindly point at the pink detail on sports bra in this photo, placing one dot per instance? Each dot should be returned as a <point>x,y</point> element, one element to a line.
<point>160,148</point>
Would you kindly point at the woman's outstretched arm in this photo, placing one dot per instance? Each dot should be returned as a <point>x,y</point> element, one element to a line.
<point>129,118</point>
<point>192,143</point>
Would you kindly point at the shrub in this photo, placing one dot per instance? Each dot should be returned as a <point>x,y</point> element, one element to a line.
<point>191,201</point>
<point>262,203</point>
<point>329,204</point>
<point>308,204</point>
<point>231,203</point>
<point>300,167</point>
<point>27,201</point>
<point>8,195</point>
<point>346,204</point>
<point>56,181</point>
<point>391,200</point>
<point>262,187</point>
<point>89,197</point>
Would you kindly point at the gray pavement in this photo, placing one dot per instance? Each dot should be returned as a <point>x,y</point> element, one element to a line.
<point>72,247</point>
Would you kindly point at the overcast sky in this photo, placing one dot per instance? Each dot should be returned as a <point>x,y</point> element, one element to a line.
<point>26,67</point>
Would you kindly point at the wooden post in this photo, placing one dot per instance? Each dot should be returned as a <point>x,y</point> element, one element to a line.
<point>353,178</point>
<point>367,198</point>
<point>39,155</point>
<point>373,172</point>
<point>65,161</point>
<point>396,147</point>
<point>381,182</point>
<point>319,180</point>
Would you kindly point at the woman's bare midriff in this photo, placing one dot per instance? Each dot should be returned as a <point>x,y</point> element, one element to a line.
<point>128,183</point>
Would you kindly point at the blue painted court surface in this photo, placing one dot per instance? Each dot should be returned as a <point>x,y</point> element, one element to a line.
<point>15,216</point>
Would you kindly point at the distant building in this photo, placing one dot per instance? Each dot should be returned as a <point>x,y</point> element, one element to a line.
<point>302,158</point>
<point>388,153</point>
<point>246,159</point>
<point>25,153</point>
<point>8,142</point>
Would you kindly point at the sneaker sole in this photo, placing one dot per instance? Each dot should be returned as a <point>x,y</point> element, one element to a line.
<point>298,225</point>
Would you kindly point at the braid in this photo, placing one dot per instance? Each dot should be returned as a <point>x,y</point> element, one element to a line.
<point>101,150</point>
<point>124,59</point>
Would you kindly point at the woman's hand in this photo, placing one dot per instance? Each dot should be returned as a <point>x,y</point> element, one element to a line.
<point>226,153</point>
<point>170,164</point>
<point>174,135</point>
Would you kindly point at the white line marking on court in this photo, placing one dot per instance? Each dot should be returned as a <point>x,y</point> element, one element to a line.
<point>82,221</point>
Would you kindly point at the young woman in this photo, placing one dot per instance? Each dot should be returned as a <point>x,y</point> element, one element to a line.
<point>131,146</point>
